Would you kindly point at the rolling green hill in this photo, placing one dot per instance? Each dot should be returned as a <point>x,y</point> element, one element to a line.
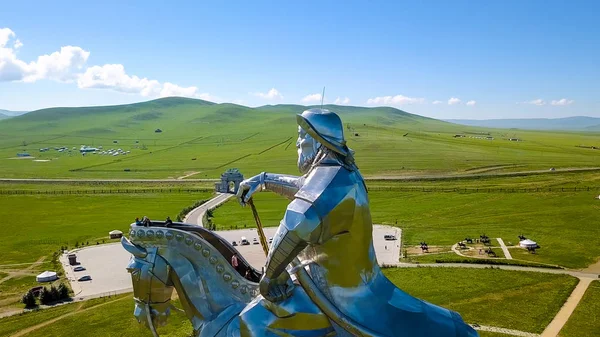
<point>205,138</point>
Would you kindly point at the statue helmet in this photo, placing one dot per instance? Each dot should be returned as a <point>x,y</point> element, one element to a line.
<point>326,127</point>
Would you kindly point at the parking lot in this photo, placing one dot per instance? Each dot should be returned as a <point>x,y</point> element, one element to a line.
<point>106,263</point>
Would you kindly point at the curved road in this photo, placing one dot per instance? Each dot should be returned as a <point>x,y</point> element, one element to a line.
<point>195,216</point>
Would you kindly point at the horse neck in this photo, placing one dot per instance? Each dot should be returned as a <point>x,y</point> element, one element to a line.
<point>205,282</point>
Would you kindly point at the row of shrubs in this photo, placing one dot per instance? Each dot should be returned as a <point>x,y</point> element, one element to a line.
<point>188,209</point>
<point>47,296</point>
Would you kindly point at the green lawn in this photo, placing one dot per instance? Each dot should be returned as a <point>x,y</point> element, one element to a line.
<point>37,225</point>
<point>563,224</point>
<point>585,320</point>
<point>516,300</point>
<point>509,299</point>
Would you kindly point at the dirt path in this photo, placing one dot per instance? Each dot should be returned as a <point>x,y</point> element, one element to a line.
<point>567,309</point>
<point>54,320</point>
<point>504,249</point>
<point>374,177</point>
<point>187,175</point>
<point>23,272</point>
<point>593,268</point>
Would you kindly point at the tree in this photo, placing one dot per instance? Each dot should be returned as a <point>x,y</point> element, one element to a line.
<point>54,295</point>
<point>63,291</point>
<point>76,244</point>
<point>45,296</point>
<point>29,300</point>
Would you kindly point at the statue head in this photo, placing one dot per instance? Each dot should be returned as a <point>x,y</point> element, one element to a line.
<point>151,285</point>
<point>316,128</point>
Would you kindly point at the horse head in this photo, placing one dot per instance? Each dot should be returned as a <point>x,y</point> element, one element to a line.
<point>152,287</point>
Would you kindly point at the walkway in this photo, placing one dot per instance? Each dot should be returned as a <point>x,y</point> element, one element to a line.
<point>567,309</point>
<point>195,216</point>
<point>504,249</point>
<point>504,331</point>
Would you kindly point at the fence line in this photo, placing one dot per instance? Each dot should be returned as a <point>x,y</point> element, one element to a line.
<point>106,191</point>
<point>375,188</point>
<point>485,190</point>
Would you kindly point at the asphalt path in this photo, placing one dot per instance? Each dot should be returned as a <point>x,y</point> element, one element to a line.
<point>195,215</point>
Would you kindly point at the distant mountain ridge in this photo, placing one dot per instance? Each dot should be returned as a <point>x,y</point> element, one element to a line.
<point>8,113</point>
<point>579,123</point>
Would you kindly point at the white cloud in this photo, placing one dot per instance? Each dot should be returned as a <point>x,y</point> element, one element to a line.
<point>538,102</point>
<point>113,76</point>
<point>453,101</point>
<point>5,35</point>
<point>563,101</point>
<point>395,100</point>
<point>62,66</point>
<point>340,100</point>
<point>471,103</point>
<point>69,65</point>
<point>312,98</point>
<point>437,102</point>
<point>270,95</point>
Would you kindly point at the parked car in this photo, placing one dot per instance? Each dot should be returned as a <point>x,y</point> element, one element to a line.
<point>255,241</point>
<point>85,278</point>
<point>389,237</point>
<point>244,241</point>
<point>234,243</point>
<point>79,268</point>
<point>270,240</point>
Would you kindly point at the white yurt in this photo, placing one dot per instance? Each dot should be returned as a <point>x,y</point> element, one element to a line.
<point>46,276</point>
<point>116,234</point>
<point>528,244</point>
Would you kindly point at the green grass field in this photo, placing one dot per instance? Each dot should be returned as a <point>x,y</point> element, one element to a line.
<point>37,225</point>
<point>488,297</point>
<point>500,298</point>
<point>563,224</point>
<point>218,136</point>
<point>585,321</point>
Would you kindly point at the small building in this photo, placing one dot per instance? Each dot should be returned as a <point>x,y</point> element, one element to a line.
<point>47,276</point>
<point>72,259</point>
<point>116,234</point>
<point>23,154</point>
<point>528,244</point>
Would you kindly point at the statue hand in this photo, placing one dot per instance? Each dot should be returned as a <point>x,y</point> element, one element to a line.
<point>278,289</point>
<point>248,187</point>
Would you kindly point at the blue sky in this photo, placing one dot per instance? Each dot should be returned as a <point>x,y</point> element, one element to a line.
<point>507,59</point>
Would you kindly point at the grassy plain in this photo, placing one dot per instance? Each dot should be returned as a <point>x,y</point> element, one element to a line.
<point>563,223</point>
<point>500,298</point>
<point>388,142</point>
<point>585,321</point>
<point>487,297</point>
<point>38,225</point>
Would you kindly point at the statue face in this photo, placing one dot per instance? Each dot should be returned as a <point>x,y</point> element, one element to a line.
<point>307,150</point>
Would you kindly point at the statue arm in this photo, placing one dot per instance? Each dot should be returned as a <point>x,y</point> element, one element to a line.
<point>282,184</point>
<point>300,226</point>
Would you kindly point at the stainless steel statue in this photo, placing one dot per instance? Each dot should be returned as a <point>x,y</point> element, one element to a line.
<point>321,277</point>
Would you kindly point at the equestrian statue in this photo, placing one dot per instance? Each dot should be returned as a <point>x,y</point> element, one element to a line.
<point>321,276</point>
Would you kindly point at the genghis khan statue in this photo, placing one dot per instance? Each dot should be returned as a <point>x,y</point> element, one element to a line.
<point>328,228</point>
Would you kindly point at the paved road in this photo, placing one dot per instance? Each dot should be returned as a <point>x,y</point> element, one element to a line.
<point>401,178</point>
<point>195,215</point>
